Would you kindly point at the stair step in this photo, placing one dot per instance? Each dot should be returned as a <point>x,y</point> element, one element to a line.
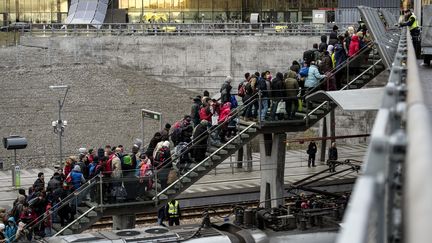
<point>163,197</point>
<point>171,192</point>
<point>209,163</point>
<point>228,146</point>
<point>57,227</point>
<point>82,210</point>
<point>214,157</point>
<point>186,180</point>
<point>83,220</point>
<point>244,136</point>
<point>320,111</point>
<point>193,174</point>
<point>178,185</point>
<point>213,149</point>
<point>236,141</point>
<point>199,168</point>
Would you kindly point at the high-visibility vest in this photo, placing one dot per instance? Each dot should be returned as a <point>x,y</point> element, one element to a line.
<point>415,23</point>
<point>172,209</point>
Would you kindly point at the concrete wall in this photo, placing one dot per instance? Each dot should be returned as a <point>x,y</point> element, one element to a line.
<point>197,63</point>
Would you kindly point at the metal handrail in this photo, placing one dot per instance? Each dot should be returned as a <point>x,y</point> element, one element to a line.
<point>202,162</point>
<point>62,203</point>
<point>417,198</point>
<point>343,88</point>
<point>73,222</point>
<point>341,67</point>
<point>361,74</point>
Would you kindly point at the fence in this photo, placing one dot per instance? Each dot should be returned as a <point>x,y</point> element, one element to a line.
<point>180,29</point>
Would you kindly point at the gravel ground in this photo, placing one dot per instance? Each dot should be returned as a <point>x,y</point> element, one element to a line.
<point>102,106</point>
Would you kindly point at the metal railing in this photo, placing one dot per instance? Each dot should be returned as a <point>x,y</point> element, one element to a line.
<point>179,29</point>
<point>375,210</point>
<point>418,197</point>
<point>202,162</point>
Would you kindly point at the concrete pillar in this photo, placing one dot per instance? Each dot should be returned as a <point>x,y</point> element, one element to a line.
<point>323,142</point>
<point>248,156</point>
<point>121,222</point>
<point>272,150</point>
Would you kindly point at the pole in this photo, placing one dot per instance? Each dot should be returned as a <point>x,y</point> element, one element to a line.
<point>13,168</point>
<point>324,142</point>
<point>142,127</point>
<point>60,133</point>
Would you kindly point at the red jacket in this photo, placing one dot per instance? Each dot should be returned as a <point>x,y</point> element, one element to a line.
<point>224,112</point>
<point>205,114</point>
<point>354,46</point>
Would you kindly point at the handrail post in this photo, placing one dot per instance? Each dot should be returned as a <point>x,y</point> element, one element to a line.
<point>100,190</point>
<point>259,107</point>
<point>156,186</point>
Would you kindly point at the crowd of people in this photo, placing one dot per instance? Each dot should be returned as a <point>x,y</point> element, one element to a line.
<point>171,151</point>
<point>282,93</point>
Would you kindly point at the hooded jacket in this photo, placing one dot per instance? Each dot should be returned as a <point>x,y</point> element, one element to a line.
<point>77,177</point>
<point>339,54</point>
<point>354,46</point>
<point>278,85</point>
<point>291,84</point>
<point>11,230</point>
<point>323,45</point>
<point>313,78</point>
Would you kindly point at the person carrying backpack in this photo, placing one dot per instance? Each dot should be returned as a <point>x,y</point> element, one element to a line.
<point>262,87</point>
<point>241,91</point>
<point>162,163</point>
<point>225,90</point>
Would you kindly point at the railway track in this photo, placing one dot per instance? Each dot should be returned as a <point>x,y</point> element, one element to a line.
<point>193,213</point>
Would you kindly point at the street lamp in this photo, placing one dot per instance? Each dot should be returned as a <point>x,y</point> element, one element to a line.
<point>60,124</point>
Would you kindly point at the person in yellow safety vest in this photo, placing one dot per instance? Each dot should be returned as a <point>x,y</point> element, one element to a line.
<point>412,23</point>
<point>173,212</point>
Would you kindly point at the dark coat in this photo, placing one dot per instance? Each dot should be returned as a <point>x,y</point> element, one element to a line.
<point>200,148</point>
<point>333,38</point>
<point>38,185</point>
<point>323,45</point>
<point>312,148</point>
<point>278,85</point>
<point>332,153</point>
<point>225,92</point>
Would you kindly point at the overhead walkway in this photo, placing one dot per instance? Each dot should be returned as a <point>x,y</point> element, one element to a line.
<point>372,60</point>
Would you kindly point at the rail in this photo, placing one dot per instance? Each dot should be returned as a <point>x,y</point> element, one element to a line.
<point>73,222</point>
<point>375,210</point>
<point>202,162</point>
<point>179,29</point>
<point>418,196</point>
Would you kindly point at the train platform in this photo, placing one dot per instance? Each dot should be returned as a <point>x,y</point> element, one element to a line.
<point>225,178</point>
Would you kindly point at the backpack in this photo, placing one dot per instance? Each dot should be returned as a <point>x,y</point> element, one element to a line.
<point>92,169</point>
<point>248,88</point>
<point>160,155</point>
<point>304,71</point>
<point>241,89</point>
<point>261,84</point>
<point>309,56</point>
<point>179,149</point>
<point>176,135</point>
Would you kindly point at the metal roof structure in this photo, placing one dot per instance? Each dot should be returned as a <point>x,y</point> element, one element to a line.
<point>87,12</point>
<point>352,100</point>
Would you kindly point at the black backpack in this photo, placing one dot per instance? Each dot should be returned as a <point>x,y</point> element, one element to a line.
<point>248,88</point>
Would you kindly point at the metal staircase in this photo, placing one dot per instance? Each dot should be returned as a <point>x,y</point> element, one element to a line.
<point>89,213</point>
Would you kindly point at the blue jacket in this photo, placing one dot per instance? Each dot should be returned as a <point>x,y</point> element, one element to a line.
<point>77,179</point>
<point>10,231</point>
<point>313,78</point>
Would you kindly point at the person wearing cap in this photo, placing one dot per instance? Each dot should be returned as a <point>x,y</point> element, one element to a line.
<point>225,90</point>
<point>413,25</point>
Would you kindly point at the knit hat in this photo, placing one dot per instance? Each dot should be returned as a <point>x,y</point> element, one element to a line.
<point>82,150</point>
<point>2,226</point>
<point>77,168</point>
<point>229,79</point>
<point>166,144</point>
